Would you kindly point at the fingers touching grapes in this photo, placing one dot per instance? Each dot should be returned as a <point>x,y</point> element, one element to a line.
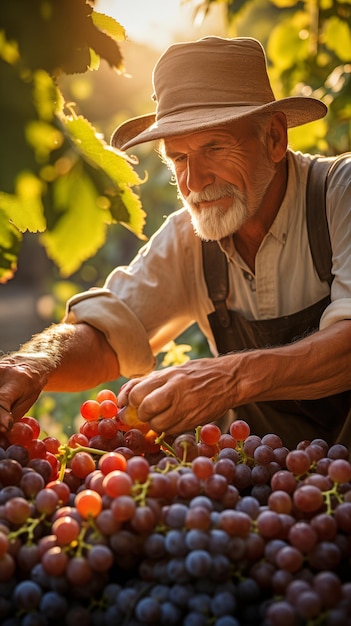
<point>177,398</point>
<point>20,386</point>
<point>6,418</point>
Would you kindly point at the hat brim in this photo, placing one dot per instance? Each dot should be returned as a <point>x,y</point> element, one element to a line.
<point>145,128</point>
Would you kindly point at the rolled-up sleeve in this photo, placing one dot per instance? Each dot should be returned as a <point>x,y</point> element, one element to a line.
<point>123,330</point>
<point>148,303</point>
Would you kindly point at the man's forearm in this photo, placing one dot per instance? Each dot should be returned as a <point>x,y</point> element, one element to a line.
<point>315,367</point>
<point>65,357</point>
<point>71,357</point>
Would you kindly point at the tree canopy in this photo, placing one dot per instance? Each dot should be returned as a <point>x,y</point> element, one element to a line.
<point>58,177</point>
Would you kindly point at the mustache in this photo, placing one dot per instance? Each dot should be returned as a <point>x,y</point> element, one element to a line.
<point>214,192</point>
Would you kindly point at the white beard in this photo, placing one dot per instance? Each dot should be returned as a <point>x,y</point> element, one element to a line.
<point>213,223</point>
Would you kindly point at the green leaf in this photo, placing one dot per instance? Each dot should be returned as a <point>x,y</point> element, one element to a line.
<point>337,36</point>
<point>137,215</point>
<point>45,95</point>
<point>10,240</point>
<point>94,60</point>
<point>8,49</point>
<point>309,137</point>
<point>81,226</point>
<point>121,175</point>
<point>286,47</point>
<point>97,150</point>
<point>283,4</point>
<point>25,208</point>
<point>109,25</point>
<point>43,138</point>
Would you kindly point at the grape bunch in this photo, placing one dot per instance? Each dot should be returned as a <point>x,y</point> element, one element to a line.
<point>123,525</point>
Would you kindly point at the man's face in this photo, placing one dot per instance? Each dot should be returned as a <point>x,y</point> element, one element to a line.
<point>222,176</point>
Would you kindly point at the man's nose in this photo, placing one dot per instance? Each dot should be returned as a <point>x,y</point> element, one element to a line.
<point>199,175</point>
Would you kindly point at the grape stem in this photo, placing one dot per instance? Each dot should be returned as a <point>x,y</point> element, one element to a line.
<point>139,491</point>
<point>197,433</point>
<point>29,527</point>
<point>329,494</point>
<point>160,441</point>
<point>66,454</point>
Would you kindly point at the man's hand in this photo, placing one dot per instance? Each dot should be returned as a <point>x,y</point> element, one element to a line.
<point>21,381</point>
<point>180,398</point>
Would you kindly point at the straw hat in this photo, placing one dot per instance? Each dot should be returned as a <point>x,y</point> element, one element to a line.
<point>209,82</point>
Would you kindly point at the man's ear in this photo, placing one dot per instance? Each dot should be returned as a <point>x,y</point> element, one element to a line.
<point>277,137</point>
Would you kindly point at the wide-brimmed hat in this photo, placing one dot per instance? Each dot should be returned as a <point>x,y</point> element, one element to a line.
<point>210,82</point>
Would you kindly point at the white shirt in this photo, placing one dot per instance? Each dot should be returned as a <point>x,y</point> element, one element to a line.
<point>162,292</point>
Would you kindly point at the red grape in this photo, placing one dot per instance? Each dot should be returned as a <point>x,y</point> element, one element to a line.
<point>106,394</point>
<point>33,423</point>
<point>82,464</point>
<point>117,483</point>
<point>90,410</point>
<point>298,462</point>
<point>210,433</point>
<point>239,430</point>
<point>20,433</point>
<point>108,409</point>
<point>66,530</point>
<point>340,471</point>
<point>88,503</point>
<point>308,498</point>
<point>112,461</point>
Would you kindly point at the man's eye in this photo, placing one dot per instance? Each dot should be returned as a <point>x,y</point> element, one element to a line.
<point>179,159</point>
<point>216,149</point>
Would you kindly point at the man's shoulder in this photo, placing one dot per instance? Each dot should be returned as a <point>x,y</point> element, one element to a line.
<point>176,233</point>
<point>304,160</point>
<point>336,169</point>
<point>180,221</point>
<point>180,216</point>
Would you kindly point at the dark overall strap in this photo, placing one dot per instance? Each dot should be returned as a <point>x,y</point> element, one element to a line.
<point>216,274</point>
<point>316,215</point>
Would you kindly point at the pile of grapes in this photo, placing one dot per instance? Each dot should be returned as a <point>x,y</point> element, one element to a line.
<point>123,526</point>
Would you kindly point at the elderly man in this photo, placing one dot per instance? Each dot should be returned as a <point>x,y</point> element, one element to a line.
<point>281,333</point>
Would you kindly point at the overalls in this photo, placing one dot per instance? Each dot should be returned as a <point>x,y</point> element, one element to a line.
<point>293,420</point>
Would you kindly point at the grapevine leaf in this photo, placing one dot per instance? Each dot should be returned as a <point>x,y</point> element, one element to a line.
<point>338,38</point>
<point>104,45</point>
<point>8,49</point>
<point>125,204</point>
<point>115,165</point>
<point>10,240</point>
<point>57,36</point>
<point>16,111</point>
<point>25,208</point>
<point>309,135</point>
<point>285,47</point>
<point>80,229</point>
<point>283,4</point>
<point>136,221</point>
<point>44,138</point>
<point>94,60</point>
<point>46,97</point>
<point>108,25</point>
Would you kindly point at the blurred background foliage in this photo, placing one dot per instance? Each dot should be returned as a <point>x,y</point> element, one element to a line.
<point>71,209</point>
